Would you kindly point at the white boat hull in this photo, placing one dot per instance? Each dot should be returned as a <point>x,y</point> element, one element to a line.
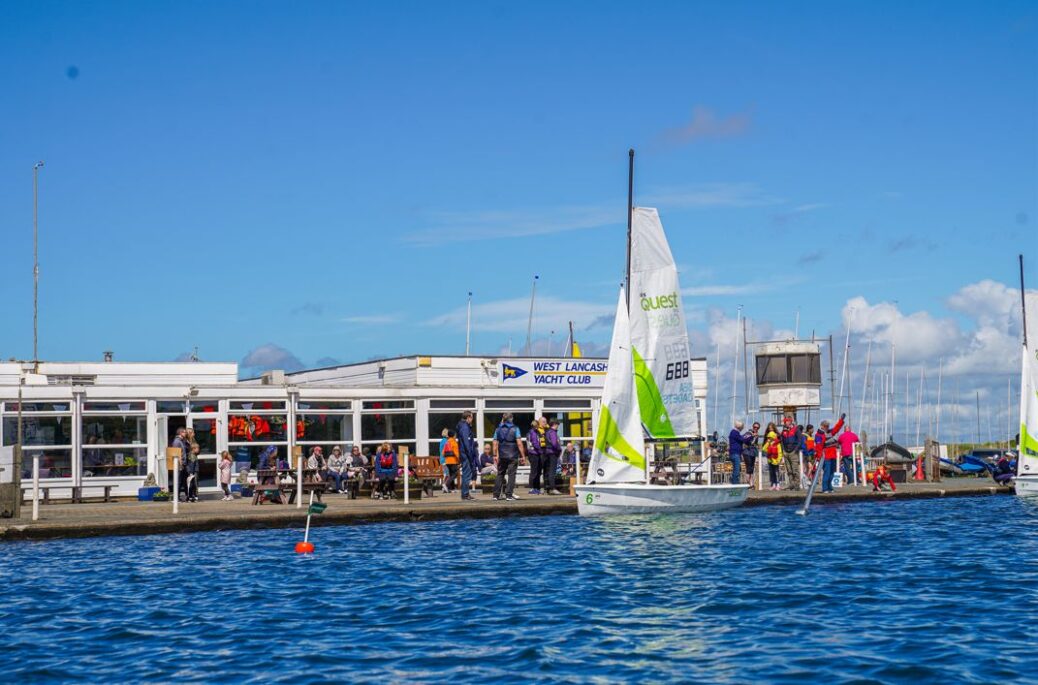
<point>1026,486</point>
<point>638,498</point>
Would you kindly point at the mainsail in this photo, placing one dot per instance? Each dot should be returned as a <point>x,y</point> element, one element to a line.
<point>662,359</point>
<point>1027,462</point>
<point>619,453</point>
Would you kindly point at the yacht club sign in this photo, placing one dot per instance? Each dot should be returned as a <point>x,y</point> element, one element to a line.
<point>568,373</point>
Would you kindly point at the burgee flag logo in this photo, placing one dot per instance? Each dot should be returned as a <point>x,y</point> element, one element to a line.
<point>513,372</point>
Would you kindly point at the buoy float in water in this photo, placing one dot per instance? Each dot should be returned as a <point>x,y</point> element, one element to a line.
<point>304,548</point>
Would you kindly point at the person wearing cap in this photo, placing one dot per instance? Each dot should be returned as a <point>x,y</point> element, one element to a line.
<point>337,468</point>
<point>826,450</point>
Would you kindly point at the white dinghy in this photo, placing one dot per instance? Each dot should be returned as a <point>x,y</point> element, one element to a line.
<point>648,389</point>
<point>1026,480</point>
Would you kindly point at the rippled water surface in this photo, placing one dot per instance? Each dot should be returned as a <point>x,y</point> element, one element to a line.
<point>935,591</point>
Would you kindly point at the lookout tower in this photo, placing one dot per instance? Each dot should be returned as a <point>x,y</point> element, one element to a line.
<point>789,376</point>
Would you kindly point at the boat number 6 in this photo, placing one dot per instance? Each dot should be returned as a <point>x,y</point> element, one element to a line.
<point>590,498</point>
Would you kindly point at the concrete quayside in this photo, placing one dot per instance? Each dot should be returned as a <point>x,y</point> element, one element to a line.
<point>59,521</point>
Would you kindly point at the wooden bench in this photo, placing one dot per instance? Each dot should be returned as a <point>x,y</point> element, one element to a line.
<point>428,472</point>
<point>27,494</point>
<point>77,492</point>
<point>268,489</point>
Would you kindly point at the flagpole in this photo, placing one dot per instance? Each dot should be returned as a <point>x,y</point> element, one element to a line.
<point>529,321</point>
<point>572,341</point>
<point>468,324</point>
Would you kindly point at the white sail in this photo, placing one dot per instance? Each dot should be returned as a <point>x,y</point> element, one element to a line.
<point>1027,461</point>
<point>619,452</point>
<point>662,357</point>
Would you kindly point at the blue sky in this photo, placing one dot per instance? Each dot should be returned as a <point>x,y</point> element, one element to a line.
<point>332,178</point>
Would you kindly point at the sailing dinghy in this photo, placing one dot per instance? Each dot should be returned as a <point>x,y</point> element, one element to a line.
<point>1027,460</point>
<point>648,389</point>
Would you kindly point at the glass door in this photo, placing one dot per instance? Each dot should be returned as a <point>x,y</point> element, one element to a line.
<point>205,427</point>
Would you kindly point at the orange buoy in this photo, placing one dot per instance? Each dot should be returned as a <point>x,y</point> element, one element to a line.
<point>304,548</point>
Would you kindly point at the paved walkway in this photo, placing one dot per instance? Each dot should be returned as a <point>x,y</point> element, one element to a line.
<point>140,518</point>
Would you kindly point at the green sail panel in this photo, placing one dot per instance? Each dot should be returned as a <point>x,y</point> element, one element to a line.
<point>611,444</point>
<point>654,413</point>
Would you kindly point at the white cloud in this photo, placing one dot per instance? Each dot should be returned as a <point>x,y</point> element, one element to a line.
<point>510,316</point>
<point>491,225</point>
<point>371,319</point>
<point>705,124</point>
<point>270,356</point>
<point>917,336</point>
<point>703,195</point>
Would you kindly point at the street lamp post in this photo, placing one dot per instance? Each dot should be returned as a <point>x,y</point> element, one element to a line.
<point>35,267</point>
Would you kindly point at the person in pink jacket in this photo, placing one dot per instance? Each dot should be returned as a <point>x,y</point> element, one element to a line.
<point>847,439</point>
<point>225,475</point>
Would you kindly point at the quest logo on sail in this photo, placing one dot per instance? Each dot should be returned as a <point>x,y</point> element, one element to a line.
<point>659,302</point>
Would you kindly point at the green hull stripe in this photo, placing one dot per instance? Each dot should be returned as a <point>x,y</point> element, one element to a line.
<point>609,435</point>
<point>653,411</point>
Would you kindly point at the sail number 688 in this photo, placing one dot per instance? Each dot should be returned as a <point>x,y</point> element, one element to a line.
<point>676,370</point>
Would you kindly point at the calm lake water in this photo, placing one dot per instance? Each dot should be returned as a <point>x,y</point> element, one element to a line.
<point>934,591</point>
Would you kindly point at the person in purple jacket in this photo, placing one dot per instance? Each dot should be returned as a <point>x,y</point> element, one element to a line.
<point>536,447</point>
<point>551,459</point>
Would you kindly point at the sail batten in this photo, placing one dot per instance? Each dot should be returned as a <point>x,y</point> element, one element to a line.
<point>661,352</point>
<point>619,451</point>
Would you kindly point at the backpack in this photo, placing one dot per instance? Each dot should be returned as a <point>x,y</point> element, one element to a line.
<point>386,460</point>
<point>505,433</point>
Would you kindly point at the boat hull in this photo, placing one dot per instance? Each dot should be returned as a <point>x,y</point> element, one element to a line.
<point>1026,486</point>
<point>637,498</point>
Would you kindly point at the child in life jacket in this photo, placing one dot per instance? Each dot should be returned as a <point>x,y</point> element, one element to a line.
<point>880,477</point>
<point>773,452</point>
<point>451,460</point>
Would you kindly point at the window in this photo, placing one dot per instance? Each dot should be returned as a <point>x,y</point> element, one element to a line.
<point>114,462</point>
<point>48,435</point>
<point>326,405</point>
<point>39,430</point>
<point>391,427</point>
<point>509,404</point>
<point>453,404</point>
<point>203,406</point>
<point>805,368</point>
<point>113,443</point>
<point>54,463</point>
<point>771,369</point>
<point>325,428</point>
<point>36,407</point>
<point>114,406</point>
<point>439,422</point>
<point>388,405</point>
<point>257,428</point>
<point>169,406</point>
<point>258,405</point>
<point>567,404</point>
<point>248,456</point>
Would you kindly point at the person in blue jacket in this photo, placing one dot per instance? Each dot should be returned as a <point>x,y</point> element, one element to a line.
<point>736,440</point>
<point>386,467</point>
<point>469,454</point>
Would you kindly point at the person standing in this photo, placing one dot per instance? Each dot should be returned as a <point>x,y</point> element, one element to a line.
<point>826,449</point>
<point>386,467</point>
<point>536,449</point>
<point>551,459</point>
<point>736,441</point>
<point>180,442</point>
<point>443,460</point>
<point>508,450</point>
<point>469,453</point>
<point>847,439</point>
<point>191,466</point>
<point>773,453</point>
<point>450,459</point>
<point>790,439</point>
<point>750,452</point>
<point>225,475</point>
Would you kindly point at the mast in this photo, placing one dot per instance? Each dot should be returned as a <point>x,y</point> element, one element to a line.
<point>1023,300</point>
<point>630,218</point>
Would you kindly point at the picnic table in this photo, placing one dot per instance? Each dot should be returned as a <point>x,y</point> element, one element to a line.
<point>283,482</point>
